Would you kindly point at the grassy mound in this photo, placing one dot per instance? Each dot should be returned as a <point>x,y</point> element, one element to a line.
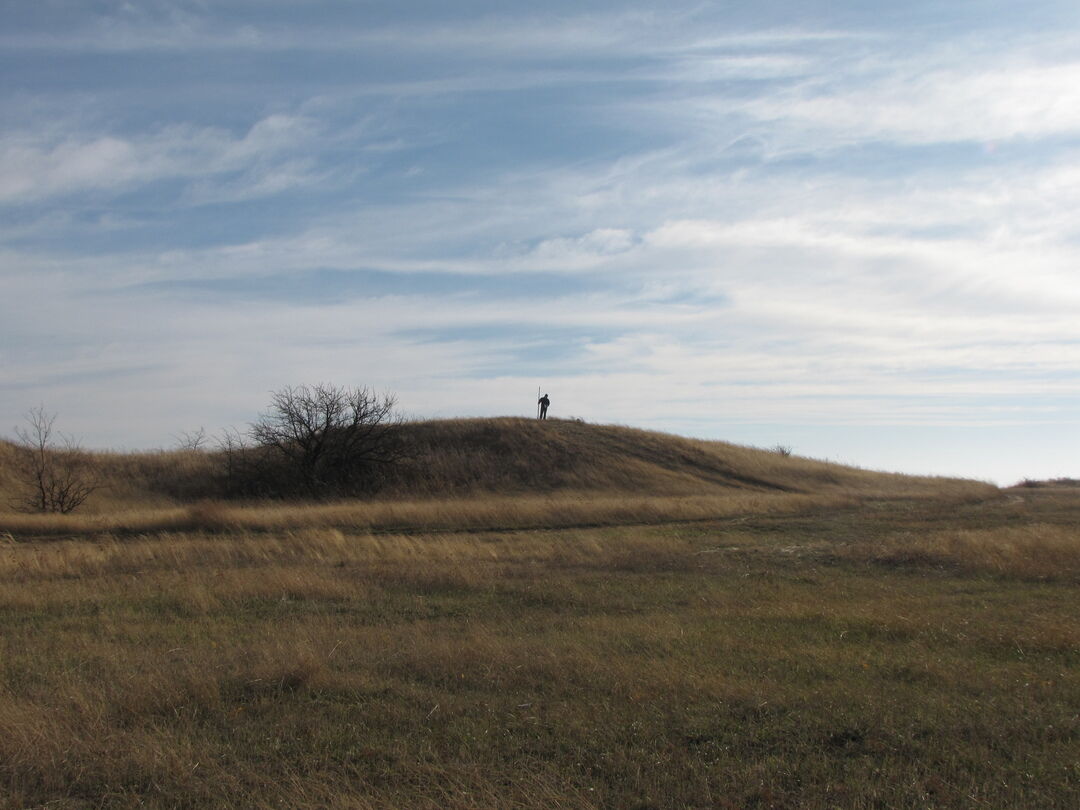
<point>515,457</point>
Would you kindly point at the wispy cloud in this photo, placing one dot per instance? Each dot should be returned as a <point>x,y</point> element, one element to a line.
<point>510,32</point>
<point>703,217</point>
<point>31,169</point>
<point>983,103</point>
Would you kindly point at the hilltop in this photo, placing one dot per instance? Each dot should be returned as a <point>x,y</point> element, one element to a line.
<point>513,455</point>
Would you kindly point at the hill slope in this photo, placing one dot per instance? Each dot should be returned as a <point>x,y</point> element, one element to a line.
<point>514,456</point>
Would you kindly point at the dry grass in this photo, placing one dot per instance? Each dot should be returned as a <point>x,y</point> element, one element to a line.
<point>738,663</point>
<point>486,513</point>
<point>149,480</point>
<point>1037,551</point>
<point>731,639</point>
<point>491,512</point>
<point>189,554</point>
<point>475,459</point>
<point>507,474</point>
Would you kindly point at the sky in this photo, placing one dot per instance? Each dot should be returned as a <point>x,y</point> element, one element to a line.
<point>844,226</point>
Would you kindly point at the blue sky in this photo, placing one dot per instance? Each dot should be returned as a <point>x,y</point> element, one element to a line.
<point>849,227</point>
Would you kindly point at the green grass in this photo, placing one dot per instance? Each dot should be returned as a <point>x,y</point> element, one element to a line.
<point>763,660</point>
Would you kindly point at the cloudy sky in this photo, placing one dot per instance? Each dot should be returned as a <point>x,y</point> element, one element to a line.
<point>847,226</point>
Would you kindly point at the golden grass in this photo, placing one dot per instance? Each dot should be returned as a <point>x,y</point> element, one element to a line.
<point>542,616</point>
<point>490,512</point>
<point>476,459</point>
<point>511,455</point>
<point>86,715</point>
<point>1040,551</point>
<point>189,553</point>
<point>558,509</point>
<point>694,665</point>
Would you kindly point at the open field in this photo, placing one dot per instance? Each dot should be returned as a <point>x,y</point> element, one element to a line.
<point>801,652</point>
<point>537,616</point>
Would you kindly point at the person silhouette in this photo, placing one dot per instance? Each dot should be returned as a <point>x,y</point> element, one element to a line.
<point>543,402</point>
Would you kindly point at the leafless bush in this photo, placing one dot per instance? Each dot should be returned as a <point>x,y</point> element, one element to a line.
<point>782,450</point>
<point>328,440</point>
<point>191,440</point>
<point>244,469</point>
<point>57,474</point>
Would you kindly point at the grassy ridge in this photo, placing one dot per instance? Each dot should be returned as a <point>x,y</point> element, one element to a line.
<point>478,460</point>
<point>512,455</point>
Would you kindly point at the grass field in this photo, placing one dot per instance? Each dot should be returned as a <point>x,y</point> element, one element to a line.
<point>770,651</point>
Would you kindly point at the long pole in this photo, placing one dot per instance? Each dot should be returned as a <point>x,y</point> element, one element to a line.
<point>538,402</point>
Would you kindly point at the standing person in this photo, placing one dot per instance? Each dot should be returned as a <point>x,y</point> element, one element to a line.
<point>543,402</point>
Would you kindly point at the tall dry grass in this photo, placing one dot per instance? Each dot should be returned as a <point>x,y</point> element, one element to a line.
<point>492,512</point>
<point>319,550</point>
<point>615,667</point>
<point>188,660</point>
<point>1039,551</point>
<point>298,663</point>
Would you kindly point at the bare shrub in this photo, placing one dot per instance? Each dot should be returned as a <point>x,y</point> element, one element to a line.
<point>191,440</point>
<point>327,440</point>
<point>57,474</point>
<point>239,471</point>
<point>782,450</point>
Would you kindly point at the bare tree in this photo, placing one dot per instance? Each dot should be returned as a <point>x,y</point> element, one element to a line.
<point>56,478</point>
<point>191,440</point>
<point>241,470</point>
<point>331,439</point>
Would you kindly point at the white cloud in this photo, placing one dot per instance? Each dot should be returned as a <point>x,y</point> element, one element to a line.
<point>738,265</point>
<point>34,168</point>
<point>564,254</point>
<point>986,103</point>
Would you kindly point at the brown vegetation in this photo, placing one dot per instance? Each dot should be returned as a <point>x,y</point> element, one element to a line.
<point>543,616</point>
<point>1029,483</point>
<point>477,459</point>
<point>51,471</point>
<point>316,441</point>
<point>743,662</point>
<point>1037,551</point>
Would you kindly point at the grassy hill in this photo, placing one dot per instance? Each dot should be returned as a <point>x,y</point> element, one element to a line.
<point>518,457</point>
<point>511,455</point>
<point>552,615</point>
<point>486,474</point>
